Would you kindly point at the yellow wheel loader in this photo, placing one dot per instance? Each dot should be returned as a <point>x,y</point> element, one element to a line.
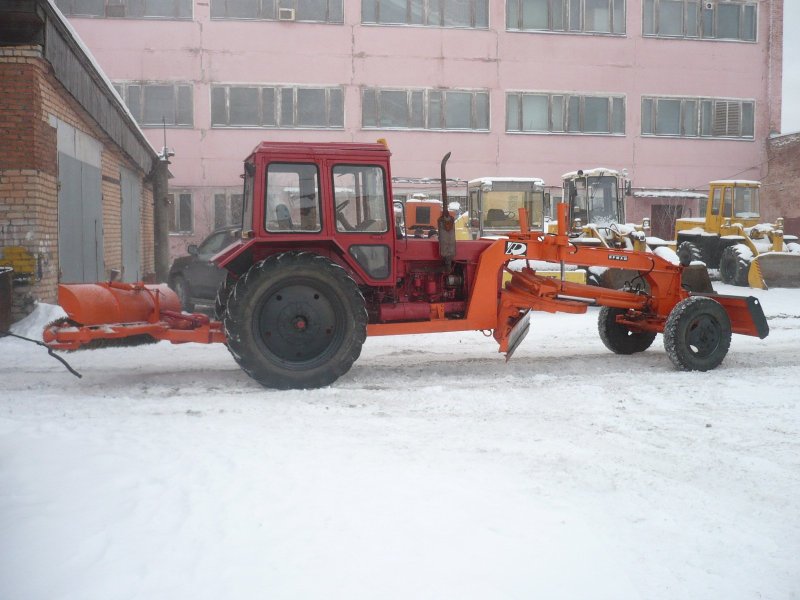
<point>731,237</point>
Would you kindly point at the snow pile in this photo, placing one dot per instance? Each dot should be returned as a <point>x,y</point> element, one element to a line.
<point>433,469</point>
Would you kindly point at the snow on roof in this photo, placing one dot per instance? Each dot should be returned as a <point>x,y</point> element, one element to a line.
<point>596,172</point>
<point>668,194</point>
<point>736,182</point>
<point>99,70</point>
<point>491,180</point>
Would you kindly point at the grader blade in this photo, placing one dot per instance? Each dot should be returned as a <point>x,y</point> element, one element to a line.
<point>103,303</point>
<point>774,269</point>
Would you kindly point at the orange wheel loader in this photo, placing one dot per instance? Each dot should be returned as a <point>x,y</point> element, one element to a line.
<point>321,265</point>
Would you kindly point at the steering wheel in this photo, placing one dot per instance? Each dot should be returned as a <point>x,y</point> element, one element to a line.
<point>340,218</point>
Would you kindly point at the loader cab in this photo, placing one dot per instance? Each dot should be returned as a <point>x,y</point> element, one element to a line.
<point>493,204</point>
<point>594,196</point>
<point>732,201</point>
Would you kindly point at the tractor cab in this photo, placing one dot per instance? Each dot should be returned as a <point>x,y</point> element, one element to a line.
<point>493,205</point>
<point>594,196</point>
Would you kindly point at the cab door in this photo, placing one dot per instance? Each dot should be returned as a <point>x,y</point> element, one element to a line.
<point>363,218</point>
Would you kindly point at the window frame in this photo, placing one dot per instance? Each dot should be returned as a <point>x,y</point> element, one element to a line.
<point>705,29</point>
<point>319,215</point>
<point>176,217</point>
<point>570,23</point>
<point>422,13</point>
<point>112,9</point>
<point>230,197</point>
<point>279,94</point>
<point>433,104</point>
<point>565,103</point>
<point>268,10</point>
<point>705,112</point>
<point>138,110</point>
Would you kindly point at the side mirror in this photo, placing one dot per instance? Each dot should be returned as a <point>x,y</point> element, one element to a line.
<point>192,249</point>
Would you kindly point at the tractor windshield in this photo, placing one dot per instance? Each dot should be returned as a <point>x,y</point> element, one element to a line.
<point>745,203</point>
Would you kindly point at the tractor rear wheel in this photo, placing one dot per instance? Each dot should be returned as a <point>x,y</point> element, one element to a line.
<point>688,252</point>
<point>618,338</point>
<point>223,293</point>
<point>295,320</point>
<point>697,334</point>
<point>734,264</point>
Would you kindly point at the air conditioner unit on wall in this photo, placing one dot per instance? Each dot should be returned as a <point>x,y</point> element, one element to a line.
<point>286,14</point>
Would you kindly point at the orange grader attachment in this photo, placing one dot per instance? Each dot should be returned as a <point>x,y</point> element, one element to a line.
<point>120,311</point>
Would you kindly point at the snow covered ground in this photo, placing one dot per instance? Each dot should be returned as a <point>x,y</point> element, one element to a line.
<point>433,469</point>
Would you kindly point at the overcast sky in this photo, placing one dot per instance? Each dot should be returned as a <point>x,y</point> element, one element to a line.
<point>790,121</point>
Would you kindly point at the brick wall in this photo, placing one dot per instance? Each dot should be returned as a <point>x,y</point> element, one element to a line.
<point>781,186</point>
<point>31,98</point>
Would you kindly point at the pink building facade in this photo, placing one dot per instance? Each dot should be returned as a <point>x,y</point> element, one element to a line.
<point>677,92</point>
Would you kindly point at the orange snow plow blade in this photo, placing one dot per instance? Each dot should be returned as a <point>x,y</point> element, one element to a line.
<point>124,313</point>
<point>103,303</point>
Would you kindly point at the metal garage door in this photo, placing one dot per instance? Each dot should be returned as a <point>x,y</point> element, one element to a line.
<point>80,221</point>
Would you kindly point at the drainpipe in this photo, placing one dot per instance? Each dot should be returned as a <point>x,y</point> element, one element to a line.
<point>161,211</point>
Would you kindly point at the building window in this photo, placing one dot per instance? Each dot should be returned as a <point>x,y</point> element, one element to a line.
<point>425,109</point>
<point>282,107</point>
<point>180,217</point>
<point>734,20</point>
<point>131,9</point>
<point>429,13</point>
<point>570,16</point>
<point>698,117</point>
<point>315,11</point>
<point>155,104</point>
<point>565,113</point>
<point>227,209</point>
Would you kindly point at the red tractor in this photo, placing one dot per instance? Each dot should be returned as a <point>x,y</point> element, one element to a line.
<point>322,264</point>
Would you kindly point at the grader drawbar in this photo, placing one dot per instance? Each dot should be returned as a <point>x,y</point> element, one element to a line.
<point>300,298</point>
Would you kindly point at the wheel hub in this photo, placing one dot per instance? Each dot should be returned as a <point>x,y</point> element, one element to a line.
<point>704,336</point>
<point>297,323</point>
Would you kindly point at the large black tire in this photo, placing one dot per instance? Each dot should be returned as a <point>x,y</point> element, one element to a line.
<point>223,293</point>
<point>697,334</point>
<point>295,320</point>
<point>618,338</point>
<point>734,264</point>
<point>181,287</point>
<point>688,252</point>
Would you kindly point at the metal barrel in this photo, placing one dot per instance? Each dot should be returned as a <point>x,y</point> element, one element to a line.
<point>104,303</point>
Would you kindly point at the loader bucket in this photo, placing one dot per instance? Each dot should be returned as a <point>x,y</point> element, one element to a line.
<point>774,269</point>
<point>104,303</point>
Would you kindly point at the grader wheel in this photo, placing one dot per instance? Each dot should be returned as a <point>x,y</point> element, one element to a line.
<point>618,338</point>
<point>697,334</point>
<point>295,320</point>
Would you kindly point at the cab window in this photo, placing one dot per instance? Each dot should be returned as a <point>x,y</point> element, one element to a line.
<point>292,202</point>
<point>360,198</point>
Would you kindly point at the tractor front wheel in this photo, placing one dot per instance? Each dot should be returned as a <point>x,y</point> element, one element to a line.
<point>618,338</point>
<point>295,320</point>
<point>734,264</point>
<point>697,334</point>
